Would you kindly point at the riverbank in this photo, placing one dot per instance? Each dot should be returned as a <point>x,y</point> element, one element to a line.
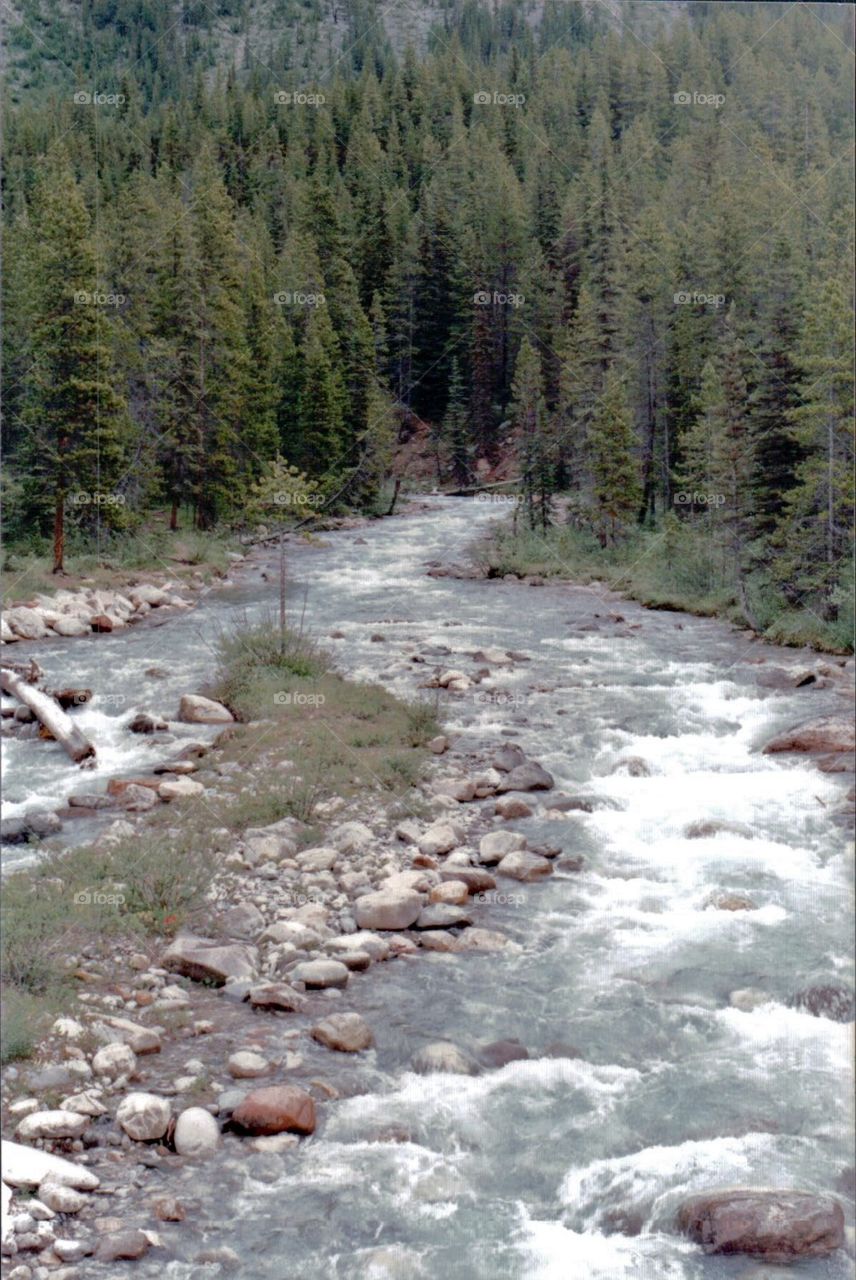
<point>670,569</point>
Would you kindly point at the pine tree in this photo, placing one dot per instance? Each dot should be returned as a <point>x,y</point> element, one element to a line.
<point>453,436</point>
<point>76,419</point>
<point>529,420</point>
<point>816,527</point>
<point>616,486</point>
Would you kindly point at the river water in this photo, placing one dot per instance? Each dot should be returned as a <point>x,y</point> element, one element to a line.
<point>551,1168</point>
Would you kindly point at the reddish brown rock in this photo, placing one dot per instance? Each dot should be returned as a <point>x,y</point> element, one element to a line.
<point>828,733</point>
<point>778,1226</point>
<point>100,622</point>
<point>118,786</point>
<point>279,1108</point>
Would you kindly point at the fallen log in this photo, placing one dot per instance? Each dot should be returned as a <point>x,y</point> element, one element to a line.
<point>49,714</point>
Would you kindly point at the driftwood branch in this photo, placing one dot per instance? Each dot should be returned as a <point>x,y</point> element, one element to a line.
<point>49,714</point>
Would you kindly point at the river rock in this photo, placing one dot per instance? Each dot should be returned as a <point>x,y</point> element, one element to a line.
<point>527,777</point>
<point>70,627</point>
<point>114,1060</point>
<point>442,915</point>
<point>352,837</point>
<point>103,623</point>
<point>500,1052</point>
<point>125,1246</point>
<point>486,940</point>
<point>198,710</point>
<point>205,960</point>
<point>460,789</point>
<point>144,723</point>
<point>732,902</point>
<point>496,844</point>
<point>437,839</point>
<point>51,1124</point>
<point>705,828</point>
<point>510,807</point>
<point>141,1039</point>
<point>243,921</point>
<point>828,733</point>
<point>61,1199</point>
<point>246,1065</point>
<point>450,891</point>
<point>197,1133</point>
<point>347,1032</point>
<point>147,593</point>
<point>87,1103</point>
<point>371,944</point>
<point>832,1000</point>
<point>443,1056</point>
<point>281,1108</point>
<point>180,789</point>
<point>278,996</point>
<point>144,1117</point>
<point>388,909</point>
<point>476,879</point>
<point>26,624</point>
<point>508,757</point>
<point>294,932</point>
<point>29,1167</point>
<point>137,798</point>
<point>776,1225</point>
<point>319,974</point>
<point>525,866</point>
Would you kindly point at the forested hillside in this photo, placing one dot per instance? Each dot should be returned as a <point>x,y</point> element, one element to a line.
<point>618,248</point>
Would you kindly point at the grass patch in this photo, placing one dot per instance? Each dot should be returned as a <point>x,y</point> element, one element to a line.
<point>24,1019</point>
<point>327,737</point>
<point>151,554</point>
<point>673,567</point>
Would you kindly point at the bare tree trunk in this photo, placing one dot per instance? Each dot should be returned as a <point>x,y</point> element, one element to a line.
<point>394,495</point>
<point>49,713</point>
<point>59,533</point>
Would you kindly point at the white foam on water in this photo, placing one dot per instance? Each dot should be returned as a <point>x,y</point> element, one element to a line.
<point>552,1251</point>
<point>777,1038</point>
<point>654,1181</point>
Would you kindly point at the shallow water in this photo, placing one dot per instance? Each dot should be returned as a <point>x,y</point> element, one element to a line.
<point>551,1167</point>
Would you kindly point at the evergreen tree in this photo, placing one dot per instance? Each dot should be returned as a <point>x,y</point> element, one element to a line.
<point>529,420</point>
<point>76,420</point>
<point>616,486</point>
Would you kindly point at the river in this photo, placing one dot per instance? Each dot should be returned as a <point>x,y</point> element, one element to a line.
<point>553,1167</point>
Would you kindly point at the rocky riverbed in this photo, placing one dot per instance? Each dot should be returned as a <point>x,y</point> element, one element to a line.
<point>583,1012</point>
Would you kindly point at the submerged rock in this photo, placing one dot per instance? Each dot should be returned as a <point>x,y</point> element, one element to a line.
<point>346,1032</point>
<point>778,1226</point>
<point>832,1000</point>
<point>443,1056</point>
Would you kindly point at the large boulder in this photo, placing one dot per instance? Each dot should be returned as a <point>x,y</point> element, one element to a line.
<point>437,839</point>
<point>279,1108</point>
<point>197,1133</point>
<point>27,624</point>
<point>144,1117</point>
<point>180,789</point>
<point>198,710</point>
<point>205,960</point>
<point>508,757</point>
<point>347,1032</point>
<point>778,1226</point>
<point>388,909</point>
<point>29,1167</point>
<point>529,776</point>
<point>70,627</point>
<point>828,733</point>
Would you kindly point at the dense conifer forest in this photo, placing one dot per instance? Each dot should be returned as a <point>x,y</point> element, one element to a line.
<point>612,250</point>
